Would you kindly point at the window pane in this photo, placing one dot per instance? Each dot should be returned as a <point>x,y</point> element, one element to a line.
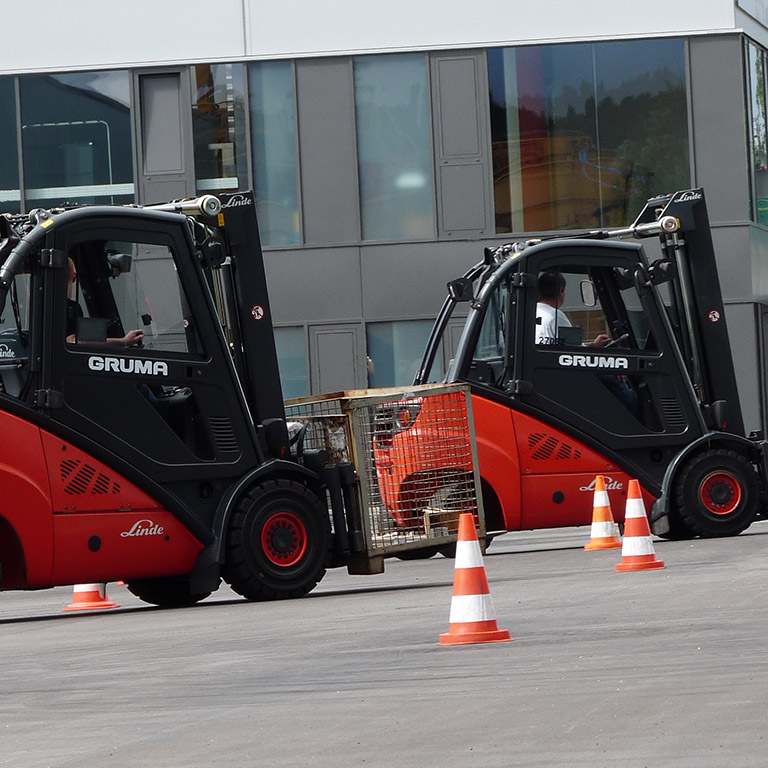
<point>218,127</point>
<point>759,153</point>
<point>143,293</point>
<point>393,145</point>
<point>9,158</point>
<point>291,346</point>
<point>273,144</point>
<point>76,138</point>
<point>395,351</point>
<point>583,134</point>
<point>642,123</point>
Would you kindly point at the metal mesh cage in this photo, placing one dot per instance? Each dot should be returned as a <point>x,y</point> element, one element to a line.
<point>414,454</point>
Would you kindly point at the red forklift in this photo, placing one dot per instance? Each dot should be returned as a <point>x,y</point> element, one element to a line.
<point>636,382</point>
<point>145,434</point>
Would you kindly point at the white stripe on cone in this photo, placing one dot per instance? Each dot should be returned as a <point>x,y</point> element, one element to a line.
<point>465,608</point>
<point>634,508</point>
<point>601,499</point>
<point>637,545</point>
<point>89,588</point>
<point>468,554</point>
<point>603,530</point>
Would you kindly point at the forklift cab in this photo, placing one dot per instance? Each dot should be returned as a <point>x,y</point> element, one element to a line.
<point>607,367</point>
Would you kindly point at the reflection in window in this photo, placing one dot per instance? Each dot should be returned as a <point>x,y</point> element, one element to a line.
<point>9,158</point>
<point>395,351</point>
<point>291,346</point>
<point>583,134</point>
<point>273,145</point>
<point>490,364</point>
<point>393,144</point>
<point>218,128</point>
<point>76,138</point>
<point>755,62</point>
<point>14,337</point>
<point>124,286</point>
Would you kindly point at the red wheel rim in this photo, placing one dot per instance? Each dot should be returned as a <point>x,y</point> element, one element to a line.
<point>720,493</point>
<point>284,539</point>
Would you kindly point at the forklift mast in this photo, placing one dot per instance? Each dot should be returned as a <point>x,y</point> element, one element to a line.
<point>249,312</point>
<point>698,313</point>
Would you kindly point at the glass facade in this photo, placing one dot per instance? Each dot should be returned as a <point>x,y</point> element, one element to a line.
<point>758,154</point>
<point>395,350</point>
<point>291,343</point>
<point>10,198</point>
<point>76,138</point>
<point>271,101</point>
<point>218,128</point>
<point>583,134</point>
<point>394,148</point>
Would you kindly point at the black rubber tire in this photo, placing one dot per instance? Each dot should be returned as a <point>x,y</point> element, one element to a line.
<point>278,542</point>
<point>717,494</point>
<point>167,592</point>
<point>678,529</point>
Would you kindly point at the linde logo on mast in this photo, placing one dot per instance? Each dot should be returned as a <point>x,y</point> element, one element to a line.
<point>237,201</point>
<point>592,361</point>
<point>687,197</point>
<point>123,365</point>
<point>144,528</point>
<point>6,351</point>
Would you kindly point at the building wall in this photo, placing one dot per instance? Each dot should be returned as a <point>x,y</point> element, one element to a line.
<point>333,283</point>
<point>151,33</point>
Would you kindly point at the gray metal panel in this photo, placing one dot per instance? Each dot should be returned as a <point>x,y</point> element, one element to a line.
<point>163,127</point>
<point>327,148</point>
<point>734,259</point>
<point>461,188</point>
<point>745,329</point>
<point>717,105</point>
<point>336,355</point>
<point>314,285</point>
<point>462,143</point>
<point>408,280</point>
<point>161,123</point>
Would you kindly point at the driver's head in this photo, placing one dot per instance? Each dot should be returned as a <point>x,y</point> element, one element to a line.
<point>551,286</point>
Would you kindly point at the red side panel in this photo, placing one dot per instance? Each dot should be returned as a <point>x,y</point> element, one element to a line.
<point>121,545</point>
<point>497,456</point>
<point>558,475</point>
<point>542,477</point>
<point>25,503</point>
<point>105,528</point>
<point>79,483</point>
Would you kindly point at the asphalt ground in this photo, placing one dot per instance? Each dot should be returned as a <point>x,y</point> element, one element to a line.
<point>664,668</point>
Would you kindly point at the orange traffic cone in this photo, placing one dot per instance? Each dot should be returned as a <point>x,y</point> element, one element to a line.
<point>472,618</point>
<point>90,597</point>
<point>604,532</point>
<point>637,553</point>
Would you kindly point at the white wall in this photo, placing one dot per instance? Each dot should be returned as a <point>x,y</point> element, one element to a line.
<point>76,34</point>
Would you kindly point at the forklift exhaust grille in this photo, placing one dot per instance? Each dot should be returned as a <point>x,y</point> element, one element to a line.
<point>544,447</point>
<point>413,458</point>
<point>80,479</point>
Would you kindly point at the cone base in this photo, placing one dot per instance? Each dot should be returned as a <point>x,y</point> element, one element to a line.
<point>90,606</point>
<point>467,638</point>
<point>640,566</point>
<point>603,544</point>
